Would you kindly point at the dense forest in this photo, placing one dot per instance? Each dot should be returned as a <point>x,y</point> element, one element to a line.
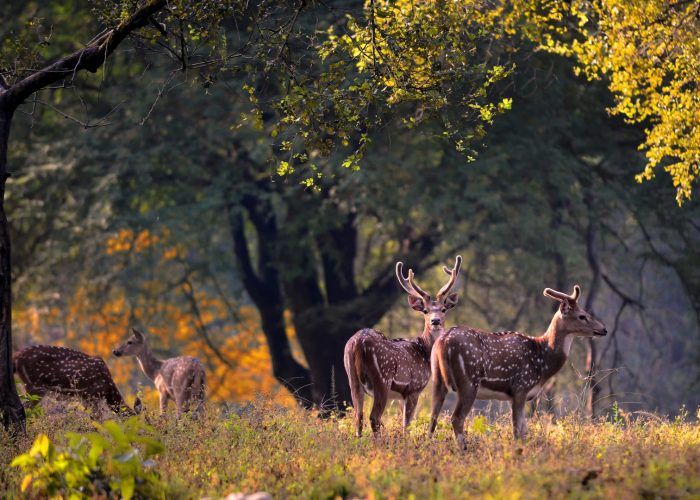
<point>242,211</point>
<point>239,179</point>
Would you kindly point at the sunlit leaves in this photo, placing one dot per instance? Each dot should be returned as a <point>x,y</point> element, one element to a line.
<point>115,459</point>
<point>649,52</point>
<point>415,61</point>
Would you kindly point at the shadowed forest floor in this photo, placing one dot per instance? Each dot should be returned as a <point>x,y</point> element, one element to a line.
<point>292,454</point>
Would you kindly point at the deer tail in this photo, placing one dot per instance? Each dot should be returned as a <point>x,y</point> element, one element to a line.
<point>438,366</point>
<point>352,360</point>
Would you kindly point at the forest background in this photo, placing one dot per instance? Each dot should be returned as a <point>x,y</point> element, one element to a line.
<point>238,180</point>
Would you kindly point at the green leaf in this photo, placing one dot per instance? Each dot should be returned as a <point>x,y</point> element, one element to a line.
<point>127,487</point>
<point>24,461</point>
<point>115,431</point>
<point>42,446</point>
<point>480,426</point>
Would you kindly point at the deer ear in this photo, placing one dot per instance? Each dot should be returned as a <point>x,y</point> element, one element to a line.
<point>451,300</point>
<point>565,307</point>
<point>137,334</point>
<point>416,303</point>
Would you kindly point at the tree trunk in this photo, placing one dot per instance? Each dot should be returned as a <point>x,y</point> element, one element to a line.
<point>265,291</point>
<point>593,395</point>
<point>323,343</point>
<point>13,416</point>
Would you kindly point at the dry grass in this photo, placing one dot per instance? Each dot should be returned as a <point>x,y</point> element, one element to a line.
<point>292,454</point>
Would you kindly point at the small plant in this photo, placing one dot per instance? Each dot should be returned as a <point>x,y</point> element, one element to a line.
<point>616,414</point>
<point>116,461</point>
<point>31,407</point>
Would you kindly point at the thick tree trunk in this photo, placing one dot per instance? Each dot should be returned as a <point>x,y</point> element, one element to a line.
<point>327,307</point>
<point>323,343</point>
<point>264,288</point>
<point>593,395</point>
<point>13,417</point>
<point>295,378</point>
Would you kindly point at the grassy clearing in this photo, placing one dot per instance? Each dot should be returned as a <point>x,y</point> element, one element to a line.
<point>292,454</point>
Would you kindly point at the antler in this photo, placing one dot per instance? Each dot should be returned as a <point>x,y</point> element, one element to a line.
<point>409,284</point>
<point>453,277</point>
<point>561,296</point>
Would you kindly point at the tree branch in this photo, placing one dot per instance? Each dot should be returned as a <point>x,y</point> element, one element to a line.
<point>90,58</point>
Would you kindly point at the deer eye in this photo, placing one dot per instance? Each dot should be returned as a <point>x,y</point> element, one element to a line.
<point>129,342</point>
<point>425,311</point>
<point>582,317</point>
<point>444,310</point>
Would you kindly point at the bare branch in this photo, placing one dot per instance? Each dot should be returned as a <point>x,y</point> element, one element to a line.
<point>91,58</point>
<point>623,296</point>
<point>188,291</point>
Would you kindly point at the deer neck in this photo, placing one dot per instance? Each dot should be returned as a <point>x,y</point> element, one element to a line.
<point>557,339</point>
<point>426,338</point>
<point>149,363</point>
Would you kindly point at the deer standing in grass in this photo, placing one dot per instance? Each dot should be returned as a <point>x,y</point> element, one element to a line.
<point>66,372</point>
<point>181,379</point>
<point>508,366</point>
<point>397,368</point>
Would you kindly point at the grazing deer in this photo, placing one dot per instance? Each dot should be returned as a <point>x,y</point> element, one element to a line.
<point>397,368</point>
<point>508,366</point>
<point>67,372</point>
<point>181,379</point>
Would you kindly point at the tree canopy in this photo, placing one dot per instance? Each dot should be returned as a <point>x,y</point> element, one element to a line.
<point>647,52</point>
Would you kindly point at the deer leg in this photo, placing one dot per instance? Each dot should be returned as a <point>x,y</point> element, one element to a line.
<point>182,401</point>
<point>381,396</point>
<point>466,394</point>
<point>410,403</point>
<point>163,402</point>
<point>439,393</point>
<point>518,415</point>
<point>358,401</point>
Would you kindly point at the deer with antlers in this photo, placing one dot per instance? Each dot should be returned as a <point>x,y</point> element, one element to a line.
<point>181,379</point>
<point>66,372</point>
<point>509,366</point>
<point>397,368</point>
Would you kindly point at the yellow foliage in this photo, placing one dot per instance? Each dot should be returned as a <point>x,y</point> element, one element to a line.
<point>649,51</point>
<point>97,327</point>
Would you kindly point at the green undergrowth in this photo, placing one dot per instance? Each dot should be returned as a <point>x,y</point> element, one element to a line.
<point>294,454</point>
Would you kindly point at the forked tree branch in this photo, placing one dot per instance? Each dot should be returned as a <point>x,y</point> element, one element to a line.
<point>89,58</point>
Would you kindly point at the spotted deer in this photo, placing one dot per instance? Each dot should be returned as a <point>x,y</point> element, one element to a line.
<point>397,368</point>
<point>181,379</point>
<point>66,372</point>
<point>509,366</point>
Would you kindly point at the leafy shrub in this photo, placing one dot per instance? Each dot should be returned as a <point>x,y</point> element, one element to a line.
<point>116,461</point>
<point>31,407</point>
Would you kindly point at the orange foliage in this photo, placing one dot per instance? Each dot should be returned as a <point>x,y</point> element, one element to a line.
<point>172,329</point>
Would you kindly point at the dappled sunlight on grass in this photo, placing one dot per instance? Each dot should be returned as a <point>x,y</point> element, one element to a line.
<point>293,453</point>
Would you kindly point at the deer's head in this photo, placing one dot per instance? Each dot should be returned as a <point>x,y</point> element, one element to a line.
<point>133,346</point>
<point>419,300</point>
<point>572,319</point>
